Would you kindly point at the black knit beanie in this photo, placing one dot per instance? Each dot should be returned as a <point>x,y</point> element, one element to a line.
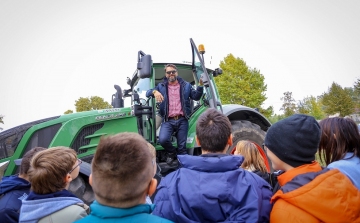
<point>294,140</point>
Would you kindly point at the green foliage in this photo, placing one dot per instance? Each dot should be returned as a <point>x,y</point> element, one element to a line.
<point>68,112</point>
<point>1,121</point>
<point>267,112</point>
<point>337,100</point>
<point>355,95</point>
<point>311,106</point>
<point>357,86</point>
<point>319,160</point>
<point>240,84</point>
<point>92,103</point>
<point>276,118</point>
<point>288,106</point>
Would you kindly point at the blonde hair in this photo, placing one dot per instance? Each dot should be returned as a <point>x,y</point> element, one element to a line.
<point>49,168</point>
<point>252,157</point>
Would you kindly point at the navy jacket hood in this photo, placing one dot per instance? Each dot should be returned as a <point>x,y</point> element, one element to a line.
<point>13,183</point>
<point>13,190</point>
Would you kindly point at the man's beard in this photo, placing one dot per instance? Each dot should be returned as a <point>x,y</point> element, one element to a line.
<point>172,78</point>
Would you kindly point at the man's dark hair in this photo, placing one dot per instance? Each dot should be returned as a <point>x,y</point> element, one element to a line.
<point>213,130</point>
<point>25,162</point>
<point>170,65</point>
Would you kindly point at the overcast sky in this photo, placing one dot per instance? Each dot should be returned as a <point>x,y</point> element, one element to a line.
<point>53,52</point>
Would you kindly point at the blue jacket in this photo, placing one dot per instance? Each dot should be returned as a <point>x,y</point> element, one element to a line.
<point>13,190</point>
<point>186,92</point>
<point>350,166</point>
<point>37,207</point>
<point>139,213</point>
<point>212,188</point>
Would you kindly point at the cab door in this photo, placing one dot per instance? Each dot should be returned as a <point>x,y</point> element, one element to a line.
<point>143,107</point>
<point>200,71</point>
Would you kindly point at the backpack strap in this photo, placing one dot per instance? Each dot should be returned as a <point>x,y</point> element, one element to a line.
<point>85,206</point>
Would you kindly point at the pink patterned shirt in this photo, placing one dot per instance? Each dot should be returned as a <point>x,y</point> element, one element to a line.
<point>174,100</point>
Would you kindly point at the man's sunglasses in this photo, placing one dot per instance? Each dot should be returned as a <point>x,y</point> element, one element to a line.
<point>171,72</point>
<point>79,162</point>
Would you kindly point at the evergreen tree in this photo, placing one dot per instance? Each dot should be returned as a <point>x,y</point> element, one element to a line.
<point>337,100</point>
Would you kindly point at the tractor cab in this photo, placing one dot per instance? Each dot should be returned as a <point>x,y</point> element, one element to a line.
<point>148,75</point>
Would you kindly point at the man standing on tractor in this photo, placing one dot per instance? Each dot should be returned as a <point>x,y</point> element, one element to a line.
<point>174,96</point>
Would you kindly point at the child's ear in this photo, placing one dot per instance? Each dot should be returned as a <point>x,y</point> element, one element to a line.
<point>197,140</point>
<point>68,178</point>
<point>90,179</point>
<point>230,140</point>
<point>152,187</point>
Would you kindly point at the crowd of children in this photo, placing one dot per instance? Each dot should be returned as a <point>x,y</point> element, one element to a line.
<point>212,187</point>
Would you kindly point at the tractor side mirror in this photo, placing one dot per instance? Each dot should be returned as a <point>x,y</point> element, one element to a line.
<point>144,65</point>
<point>217,72</point>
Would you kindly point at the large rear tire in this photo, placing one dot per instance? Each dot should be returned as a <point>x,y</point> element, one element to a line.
<point>245,130</point>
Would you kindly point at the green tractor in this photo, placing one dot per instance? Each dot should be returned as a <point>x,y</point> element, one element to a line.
<point>81,131</point>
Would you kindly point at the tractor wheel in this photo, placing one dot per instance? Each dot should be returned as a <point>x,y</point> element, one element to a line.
<point>245,130</point>
<point>82,189</point>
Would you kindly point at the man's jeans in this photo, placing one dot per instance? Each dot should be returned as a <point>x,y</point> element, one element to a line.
<point>180,126</point>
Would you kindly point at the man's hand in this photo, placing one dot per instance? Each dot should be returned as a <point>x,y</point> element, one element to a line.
<point>201,82</point>
<point>158,96</point>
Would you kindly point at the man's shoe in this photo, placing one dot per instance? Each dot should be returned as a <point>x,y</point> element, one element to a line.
<point>171,159</point>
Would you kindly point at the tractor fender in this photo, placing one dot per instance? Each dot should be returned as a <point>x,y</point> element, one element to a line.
<point>239,112</point>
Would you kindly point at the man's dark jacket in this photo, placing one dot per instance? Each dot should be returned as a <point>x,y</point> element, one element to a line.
<point>13,190</point>
<point>186,93</point>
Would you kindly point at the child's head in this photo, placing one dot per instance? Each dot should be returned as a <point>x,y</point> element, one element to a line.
<point>293,141</point>
<point>153,154</point>
<point>338,137</point>
<point>213,131</point>
<point>26,159</point>
<point>52,170</point>
<point>252,158</point>
<point>122,171</point>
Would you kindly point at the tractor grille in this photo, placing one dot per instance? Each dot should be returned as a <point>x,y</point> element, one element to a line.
<point>81,140</point>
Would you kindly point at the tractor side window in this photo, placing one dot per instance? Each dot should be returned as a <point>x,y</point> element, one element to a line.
<point>141,86</point>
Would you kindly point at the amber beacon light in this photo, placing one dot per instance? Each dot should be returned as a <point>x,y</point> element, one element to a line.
<point>201,49</point>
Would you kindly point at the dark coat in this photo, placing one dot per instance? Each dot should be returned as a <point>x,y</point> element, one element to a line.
<point>186,92</point>
<point>271,178</point>
<point>13,190</point>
